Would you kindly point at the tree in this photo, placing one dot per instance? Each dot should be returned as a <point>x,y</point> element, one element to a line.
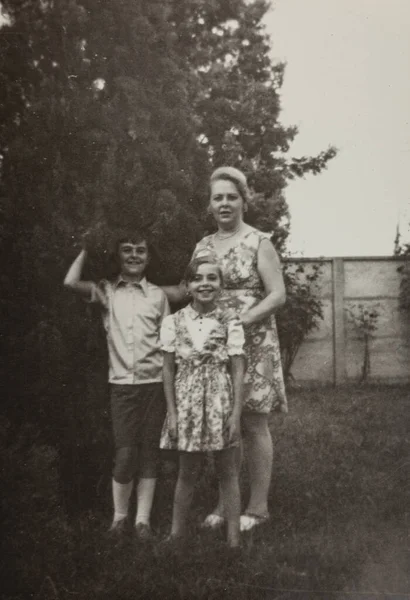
<point>96,130</point>
<point>403,251</point>
<point>236,94</point>
<point>114,113</point>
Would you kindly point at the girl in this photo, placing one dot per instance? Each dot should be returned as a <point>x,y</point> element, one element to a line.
<point>254,290</point>
<point>204,399</point>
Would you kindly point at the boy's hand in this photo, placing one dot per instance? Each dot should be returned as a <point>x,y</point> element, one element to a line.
<point>233,425</point>
<point>86,240</point>
<point>172,425</point>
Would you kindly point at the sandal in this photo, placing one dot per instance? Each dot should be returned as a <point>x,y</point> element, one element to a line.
<point>249,520</point>
<point>213,521</point>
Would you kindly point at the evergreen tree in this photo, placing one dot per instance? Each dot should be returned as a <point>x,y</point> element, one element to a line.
<point>113,114</point>
<point>96,131</point>
<point>235,90</point>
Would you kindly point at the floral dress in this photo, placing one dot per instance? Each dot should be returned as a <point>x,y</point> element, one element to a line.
<point>264,388</point>
<point>203,387</point>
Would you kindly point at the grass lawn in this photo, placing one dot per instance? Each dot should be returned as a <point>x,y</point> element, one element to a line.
<point>339,528</point>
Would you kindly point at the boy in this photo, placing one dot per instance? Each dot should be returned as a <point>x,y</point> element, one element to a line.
<point>133,310</point>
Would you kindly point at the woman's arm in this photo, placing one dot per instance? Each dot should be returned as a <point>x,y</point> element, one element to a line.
<point>168,373</point>
<point>270,272</point>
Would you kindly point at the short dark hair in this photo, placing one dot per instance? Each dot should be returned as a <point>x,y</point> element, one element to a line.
<point>132,236</point>
<point>194,265</point>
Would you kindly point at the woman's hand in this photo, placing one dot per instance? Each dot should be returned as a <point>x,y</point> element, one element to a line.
<point>172,425</point>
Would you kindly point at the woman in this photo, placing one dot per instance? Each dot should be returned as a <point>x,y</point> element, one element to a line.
<point>254,288</point>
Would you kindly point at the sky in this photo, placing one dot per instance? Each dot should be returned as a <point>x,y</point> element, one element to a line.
<point>347,84</point>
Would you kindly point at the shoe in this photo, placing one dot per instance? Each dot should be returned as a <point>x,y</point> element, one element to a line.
<point>144,532</point>
<point>213,521</point>
<point>249,520</point>
<point>119,528</point>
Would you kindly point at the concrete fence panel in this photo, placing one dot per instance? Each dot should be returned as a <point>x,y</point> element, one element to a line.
<point>334,353</point>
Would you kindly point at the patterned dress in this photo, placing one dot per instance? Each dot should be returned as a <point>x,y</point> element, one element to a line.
<point>243,288</point>
<point>203,387</point>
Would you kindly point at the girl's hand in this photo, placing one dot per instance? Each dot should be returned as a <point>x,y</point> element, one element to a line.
<point>233,425</point>
<point>172,426</point>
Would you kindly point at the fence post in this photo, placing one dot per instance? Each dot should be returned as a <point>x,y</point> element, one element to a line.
<point>339,361</point>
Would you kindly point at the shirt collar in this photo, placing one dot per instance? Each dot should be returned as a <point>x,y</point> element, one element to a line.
<point>193,314</point>
<point>143,284</point>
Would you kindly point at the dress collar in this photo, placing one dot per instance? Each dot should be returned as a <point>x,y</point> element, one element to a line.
<point>194,314</point>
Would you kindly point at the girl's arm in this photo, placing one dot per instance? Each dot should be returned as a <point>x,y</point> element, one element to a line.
<point>237,375</point>
<point>73,281</point>
<point>270,272</point>
<point>168,372</point>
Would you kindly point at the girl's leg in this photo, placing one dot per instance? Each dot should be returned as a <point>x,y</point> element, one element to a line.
<point>188,470</point>
<point>219,511</point>
<point>226,466</point>
<point>259,455</point>
<point>122,484</point>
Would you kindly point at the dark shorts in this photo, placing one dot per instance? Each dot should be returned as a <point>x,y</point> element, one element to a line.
<point>138,413</point>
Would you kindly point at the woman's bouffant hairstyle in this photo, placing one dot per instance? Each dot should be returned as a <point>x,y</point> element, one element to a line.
<point>194,265</point>
<point>234,176</point>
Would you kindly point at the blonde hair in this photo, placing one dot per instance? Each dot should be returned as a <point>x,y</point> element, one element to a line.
<point>236,177</point>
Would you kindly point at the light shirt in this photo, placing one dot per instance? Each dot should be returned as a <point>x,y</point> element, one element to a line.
<point>132,318</point>
<point>199,326</point>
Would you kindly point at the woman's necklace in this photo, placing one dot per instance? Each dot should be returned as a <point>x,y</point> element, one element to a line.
<point>225,237</point>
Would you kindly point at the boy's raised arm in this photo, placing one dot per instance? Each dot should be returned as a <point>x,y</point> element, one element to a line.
<point>73,281</point>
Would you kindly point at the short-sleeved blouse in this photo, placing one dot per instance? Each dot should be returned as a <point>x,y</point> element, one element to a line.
<point>199,327</point>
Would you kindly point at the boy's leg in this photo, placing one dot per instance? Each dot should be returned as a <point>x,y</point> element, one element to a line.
<point>124,413</point>
<point>226,467</point>
<point>151,395</point>
<point>187,475</point>
<point>122,483</point>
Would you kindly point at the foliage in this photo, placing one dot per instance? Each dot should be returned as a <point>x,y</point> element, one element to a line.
<point>364,320</point>
<point>235,90</point>
<point>113,114</point>
<point>339,498</point>
<point>301,313</point>
<point>36,535</point>
<point>403,251</point>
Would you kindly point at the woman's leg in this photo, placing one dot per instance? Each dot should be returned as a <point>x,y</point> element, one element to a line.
<point>226,467</point>
<point>259,456</point>
<point>187,476</point>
